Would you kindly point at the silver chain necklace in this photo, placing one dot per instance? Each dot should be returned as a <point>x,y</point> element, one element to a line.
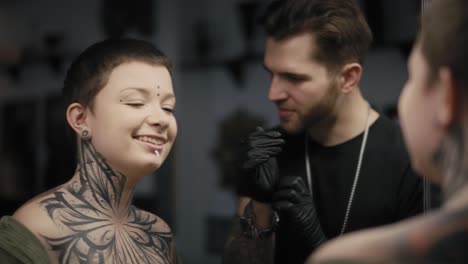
<point>356,176</point>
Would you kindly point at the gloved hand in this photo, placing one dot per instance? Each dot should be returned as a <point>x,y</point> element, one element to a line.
<point>296,209</point>
<point>260,165</point>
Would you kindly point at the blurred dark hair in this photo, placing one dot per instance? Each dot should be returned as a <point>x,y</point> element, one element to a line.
<point>444,38</point>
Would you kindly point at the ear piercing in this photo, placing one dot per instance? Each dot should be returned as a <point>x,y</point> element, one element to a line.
<point>85,134</point>
<point>157,153</point>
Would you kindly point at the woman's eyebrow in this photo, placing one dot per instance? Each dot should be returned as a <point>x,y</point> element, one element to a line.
<point>146,92</point>
<point>137,89</point>
<point>168,96</point>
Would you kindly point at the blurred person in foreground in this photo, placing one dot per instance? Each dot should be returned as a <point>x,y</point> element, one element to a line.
<point>433,111</point>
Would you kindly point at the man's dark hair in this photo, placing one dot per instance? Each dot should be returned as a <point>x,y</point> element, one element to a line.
<point>340,29</point>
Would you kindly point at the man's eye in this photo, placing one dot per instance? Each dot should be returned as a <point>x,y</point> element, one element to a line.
<point>294,78</point>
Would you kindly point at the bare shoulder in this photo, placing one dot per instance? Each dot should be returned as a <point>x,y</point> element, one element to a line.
<point>157,223</point>
<point>34,216</point>
<point>158,229</point>
<point>161,225</point>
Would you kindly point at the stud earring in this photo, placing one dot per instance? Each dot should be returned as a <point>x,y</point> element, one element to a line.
<point>84,134</point>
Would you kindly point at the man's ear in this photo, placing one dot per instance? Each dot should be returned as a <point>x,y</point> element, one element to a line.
<point>450,98</point>
<point>77,118</point>
<point>350,76</point>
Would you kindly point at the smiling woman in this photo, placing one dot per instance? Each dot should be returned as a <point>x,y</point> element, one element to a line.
<point>120,105</point>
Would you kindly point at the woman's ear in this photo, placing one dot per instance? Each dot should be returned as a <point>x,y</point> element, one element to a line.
<point>77,118</point>
<point>450,98</point>
<point>350,76</point>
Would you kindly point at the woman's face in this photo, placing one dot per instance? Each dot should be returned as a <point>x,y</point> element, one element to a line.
<point>133,118</point>
<point>418,115</point>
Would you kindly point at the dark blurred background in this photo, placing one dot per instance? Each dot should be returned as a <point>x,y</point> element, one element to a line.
<point>219,81</point>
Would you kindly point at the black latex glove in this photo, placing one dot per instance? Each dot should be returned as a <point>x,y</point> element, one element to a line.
<point>260,165</point>
<point>296,209</point>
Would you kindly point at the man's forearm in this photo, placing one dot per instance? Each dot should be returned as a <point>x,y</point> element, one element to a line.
<point>242,247</point>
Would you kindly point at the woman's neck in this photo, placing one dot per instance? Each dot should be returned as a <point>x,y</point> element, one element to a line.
<point>99,185</point>
<point>452,162</point>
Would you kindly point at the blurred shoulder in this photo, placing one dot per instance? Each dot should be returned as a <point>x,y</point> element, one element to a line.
<point>374,245</point>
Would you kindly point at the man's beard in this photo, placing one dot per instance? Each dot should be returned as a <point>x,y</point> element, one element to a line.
<point>315,115</point>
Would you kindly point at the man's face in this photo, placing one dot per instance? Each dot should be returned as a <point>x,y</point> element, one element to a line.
<point>301,88</point>
<point>133,117</point>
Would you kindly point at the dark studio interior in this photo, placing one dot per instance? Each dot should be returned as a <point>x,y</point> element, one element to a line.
<point>221,88</point>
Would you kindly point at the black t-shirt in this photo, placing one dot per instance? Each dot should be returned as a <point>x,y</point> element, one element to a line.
<point>387,189</point>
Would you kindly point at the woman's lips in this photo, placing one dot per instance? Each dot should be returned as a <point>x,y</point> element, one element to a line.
<point>152,147</point>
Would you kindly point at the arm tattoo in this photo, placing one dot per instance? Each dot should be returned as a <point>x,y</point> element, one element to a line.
<point>90,210</point>
<point>241,249</point>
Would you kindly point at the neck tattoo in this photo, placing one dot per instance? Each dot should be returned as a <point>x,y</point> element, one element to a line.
<point>98,224</point>
<point>356,175</point>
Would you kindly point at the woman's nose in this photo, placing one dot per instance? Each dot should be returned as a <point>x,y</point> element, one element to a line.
<point>158,117</point>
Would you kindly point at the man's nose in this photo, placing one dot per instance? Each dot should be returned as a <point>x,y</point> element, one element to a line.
<point>276,91</point>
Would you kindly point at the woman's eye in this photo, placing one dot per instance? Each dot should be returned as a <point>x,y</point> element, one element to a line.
<point>135,104</point>
<point>168,109</point>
